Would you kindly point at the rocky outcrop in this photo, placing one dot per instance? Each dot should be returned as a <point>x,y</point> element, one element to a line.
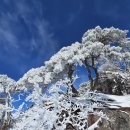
<point>114,83</point>
<point>117,120</point>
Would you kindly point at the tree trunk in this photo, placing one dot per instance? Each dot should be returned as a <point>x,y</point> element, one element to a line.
<point>97,77</point>
<point>6,115</point>
<point>89,73</point>
<point>70,74</point>
<point>95,71</point>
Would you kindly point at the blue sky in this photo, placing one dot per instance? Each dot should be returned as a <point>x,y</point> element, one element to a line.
<point>31,31</point>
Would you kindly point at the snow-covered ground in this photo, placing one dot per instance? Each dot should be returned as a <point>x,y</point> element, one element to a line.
<point>121,101</point>
<point>106,100</point>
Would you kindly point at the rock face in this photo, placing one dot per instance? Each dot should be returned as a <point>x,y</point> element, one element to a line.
<point>114,83</point>
<point>118,120</point>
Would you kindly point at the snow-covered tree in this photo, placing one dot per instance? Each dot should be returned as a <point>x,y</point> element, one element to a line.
<point>32,77</point>
<point>99,48</point>
<point>105,47</point>
<point>7,88</point>
<point>57,104</point>
<point>57,110</point>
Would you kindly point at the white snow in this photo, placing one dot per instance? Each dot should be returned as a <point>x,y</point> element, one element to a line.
<point>122,101</point>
